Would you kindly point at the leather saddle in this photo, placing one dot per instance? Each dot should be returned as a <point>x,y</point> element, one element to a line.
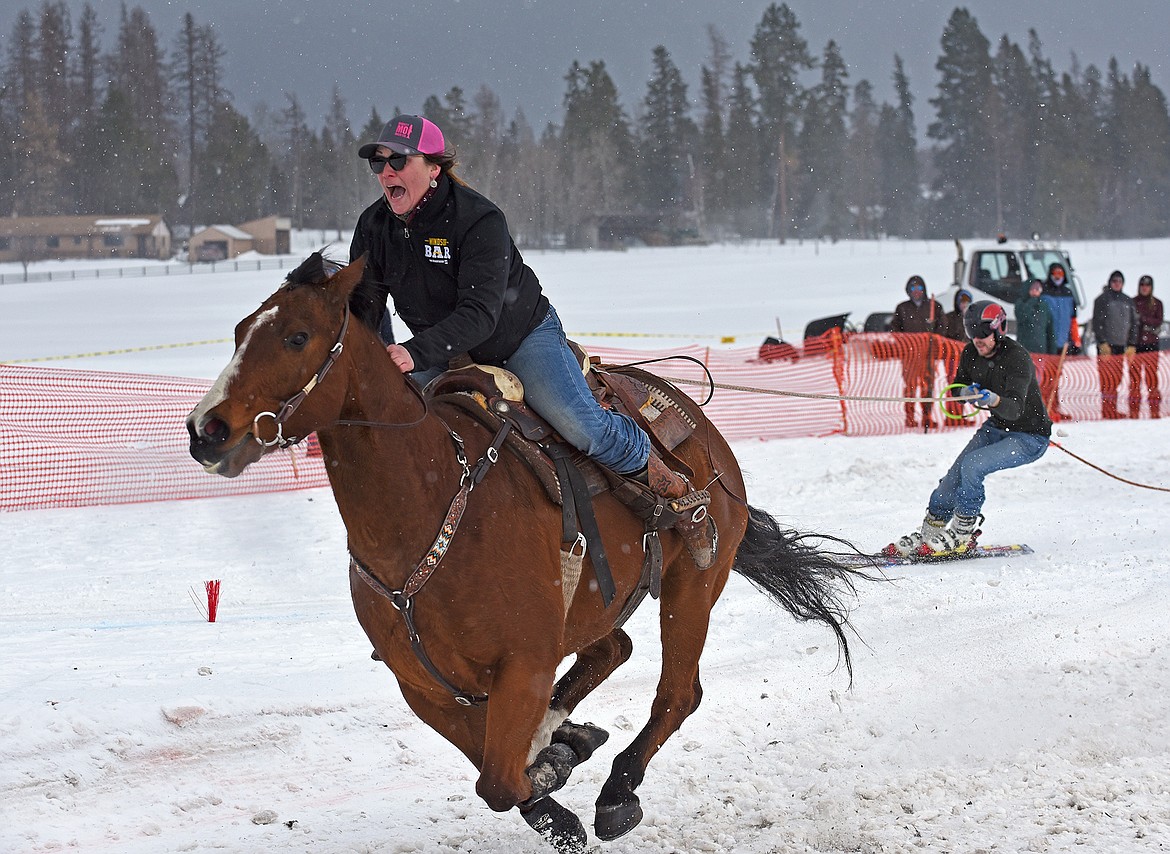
<point>569,477</point>
<point>490,393</point>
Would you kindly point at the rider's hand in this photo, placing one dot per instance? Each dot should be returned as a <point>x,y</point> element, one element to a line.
<point>401,357</point>
<point>983,396</point>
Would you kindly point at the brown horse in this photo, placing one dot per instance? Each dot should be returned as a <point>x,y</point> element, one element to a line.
<point>476,652</point>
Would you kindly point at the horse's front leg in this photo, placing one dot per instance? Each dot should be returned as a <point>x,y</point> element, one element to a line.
<point>518,699</point>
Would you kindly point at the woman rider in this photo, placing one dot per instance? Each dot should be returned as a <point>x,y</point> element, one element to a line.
<point>444,254</point>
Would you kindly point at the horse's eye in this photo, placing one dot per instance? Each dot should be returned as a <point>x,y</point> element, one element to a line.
<point>297,340</point>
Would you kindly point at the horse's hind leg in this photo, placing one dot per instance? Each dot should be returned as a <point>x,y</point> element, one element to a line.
<point>593,666</point>
<point>687,597</point>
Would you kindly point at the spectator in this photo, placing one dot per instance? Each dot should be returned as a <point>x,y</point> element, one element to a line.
<point>922,315</point>
<point>1145,363</point>
<point>953,320</point>
<point>1063,305</point>
<point>1035,327</point>
<point>953,329</point>
<point>1115,326</point>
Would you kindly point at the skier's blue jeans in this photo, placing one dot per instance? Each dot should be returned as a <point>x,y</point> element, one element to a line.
<point>991,449</point>
<point>555,387</point>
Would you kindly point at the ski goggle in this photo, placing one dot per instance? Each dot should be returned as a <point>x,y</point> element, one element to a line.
<point>396,161</point>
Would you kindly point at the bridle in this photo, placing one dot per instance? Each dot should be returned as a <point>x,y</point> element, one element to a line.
<point>290,405</point>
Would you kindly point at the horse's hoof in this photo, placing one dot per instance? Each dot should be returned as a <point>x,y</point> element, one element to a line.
<point>583,738</point>
<point>558,826</point>
<point>550,770</point>
<point>614,820</point>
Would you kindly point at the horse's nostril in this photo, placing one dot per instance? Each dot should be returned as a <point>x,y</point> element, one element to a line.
<point>215,429</point>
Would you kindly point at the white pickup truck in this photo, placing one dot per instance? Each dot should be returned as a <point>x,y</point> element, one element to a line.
<point>1003,272</point>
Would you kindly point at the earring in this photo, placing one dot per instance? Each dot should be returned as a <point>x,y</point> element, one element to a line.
<point>434,183</point>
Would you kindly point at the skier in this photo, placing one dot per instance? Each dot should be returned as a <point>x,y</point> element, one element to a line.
<point>1000,373</point>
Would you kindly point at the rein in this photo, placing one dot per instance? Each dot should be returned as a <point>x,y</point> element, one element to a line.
<point>403,599</point>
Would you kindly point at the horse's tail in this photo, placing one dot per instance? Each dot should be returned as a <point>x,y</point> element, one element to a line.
<point>792,569</point>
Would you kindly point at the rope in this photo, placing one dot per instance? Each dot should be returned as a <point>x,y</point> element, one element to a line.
<point>815,396</point>
<point>809,394</point>
<point>1106,473</point>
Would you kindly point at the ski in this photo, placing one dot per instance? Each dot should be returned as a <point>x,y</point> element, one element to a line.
<point>1013,550</point>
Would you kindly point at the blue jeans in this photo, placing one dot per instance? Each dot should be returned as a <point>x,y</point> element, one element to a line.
<point>991,449</point>
<point>555,387</point>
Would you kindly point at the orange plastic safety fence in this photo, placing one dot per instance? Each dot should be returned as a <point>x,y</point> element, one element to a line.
<point>73,438</point>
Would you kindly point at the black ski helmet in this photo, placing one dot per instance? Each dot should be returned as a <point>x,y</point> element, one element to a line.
<point>983,318</point>
<point>915,282</point>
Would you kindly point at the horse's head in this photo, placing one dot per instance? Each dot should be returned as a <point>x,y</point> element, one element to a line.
<point>284,349</point>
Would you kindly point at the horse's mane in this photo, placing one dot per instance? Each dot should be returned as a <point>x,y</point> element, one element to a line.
<point>314,269</point>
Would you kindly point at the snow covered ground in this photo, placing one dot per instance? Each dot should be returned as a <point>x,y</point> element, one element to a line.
<point>1001,705</point>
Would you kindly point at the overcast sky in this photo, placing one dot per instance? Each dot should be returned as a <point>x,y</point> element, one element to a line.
<point>392,54</point>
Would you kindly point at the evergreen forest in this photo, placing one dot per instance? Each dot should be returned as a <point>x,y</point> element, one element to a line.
<point>777,143</point>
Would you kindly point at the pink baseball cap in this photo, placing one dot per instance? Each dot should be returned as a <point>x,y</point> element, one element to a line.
<point>407,135</point>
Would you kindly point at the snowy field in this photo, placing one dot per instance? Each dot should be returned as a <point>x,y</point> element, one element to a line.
<point>1002,705</point>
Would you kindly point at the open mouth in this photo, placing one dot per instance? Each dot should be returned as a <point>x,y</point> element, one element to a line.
<point>396,192</point>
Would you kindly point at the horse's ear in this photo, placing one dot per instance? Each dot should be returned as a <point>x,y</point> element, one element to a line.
<point>347,278</point>
<point>312,269</point>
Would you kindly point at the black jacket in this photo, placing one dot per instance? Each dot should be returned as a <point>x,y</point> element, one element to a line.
<point>1010,374</point>
<point>456,278</point>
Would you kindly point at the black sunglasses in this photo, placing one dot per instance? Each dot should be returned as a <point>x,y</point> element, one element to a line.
<point>396,161</point>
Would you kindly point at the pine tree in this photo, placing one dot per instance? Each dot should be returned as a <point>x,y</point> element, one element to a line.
<point>596,146</point>
<point>299,144</point>
<point>118,181</point>
<point>451,115</point>
<point>87,68</point>
<point>743,186</point>
<point>236,168</point>
<point>897,144</point>
<point>54,45</point>
<point>779,55</point>
<point>348,177</point>
<point>485,127</point>
<point>22,70</point>
<point>862,168</point>
<point>137,74</point>
<point>41,165</point>
<point>195,75</point>
<point>1014,128</point>
<point>667,140</point>
<point>522,170</point>
<point>964,157</point>
<point>712,201</point>
<point>823,139</point>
